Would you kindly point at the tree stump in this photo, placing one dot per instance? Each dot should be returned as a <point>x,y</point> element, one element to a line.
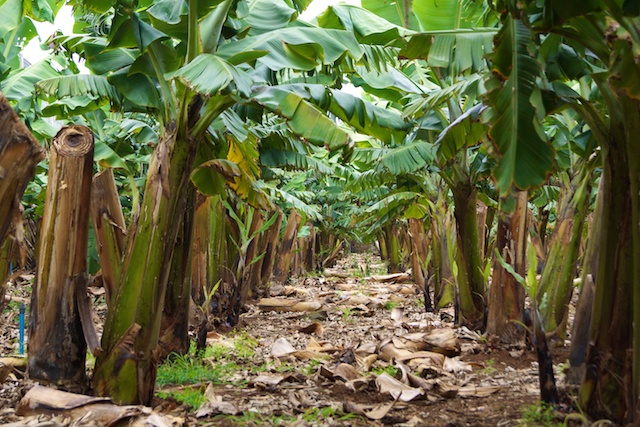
<point>57,347</point>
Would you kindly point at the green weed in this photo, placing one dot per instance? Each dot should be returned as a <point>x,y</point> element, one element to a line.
<point>390,305</point>
<point>540,415</point>
<point>391,370</point>
<point>192,396</point>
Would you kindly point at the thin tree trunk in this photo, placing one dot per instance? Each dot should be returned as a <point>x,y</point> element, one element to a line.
<point>57,347</point>
<point>285,252</point>
<point>110,228</point>
<point>506,298</point>
<point>19,156</point>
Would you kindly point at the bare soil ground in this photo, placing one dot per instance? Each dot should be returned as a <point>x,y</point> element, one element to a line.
<point>354,352</point>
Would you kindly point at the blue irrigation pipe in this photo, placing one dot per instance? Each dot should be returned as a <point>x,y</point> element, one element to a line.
<point>22,311</point>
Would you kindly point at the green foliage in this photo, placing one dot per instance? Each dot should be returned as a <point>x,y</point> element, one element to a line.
<point>390,370</point>
<point>191,396</point>
<point>540,415</point>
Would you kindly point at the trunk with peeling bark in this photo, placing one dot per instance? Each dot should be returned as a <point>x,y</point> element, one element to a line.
<point>6,250</point>
<point>556,282</point>
<point>506,296</point>
<point>57,347</point>
<point>174,337</point>
<point>471,283</point>
<point>285,252</point>
<point>126,370</point>
<point>419,254</point>
<point>270,251</point>
<point>19,156</point>
<point>109,226</point>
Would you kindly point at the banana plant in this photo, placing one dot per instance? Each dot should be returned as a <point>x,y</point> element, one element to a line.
<point>185,63</point>
<point>608,32</point>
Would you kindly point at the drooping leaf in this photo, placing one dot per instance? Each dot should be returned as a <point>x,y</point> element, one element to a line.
<point>101,61</point>
<point>76,85</point>
<point>138,88</point>
<point>409,158</point>
<point>21,83</point>
<point>466,131</point>
<point>210,74</point>
<point>303,118</point>
<point>515,113</point>
<point>290,159</point>
<point>268,15</point>
<point>368,27</point>
<point>296,47</point>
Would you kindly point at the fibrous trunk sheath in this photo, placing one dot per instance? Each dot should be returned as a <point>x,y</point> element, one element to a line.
<point>126,370</point>
<point>19,155</point>
<point>109,227</point>
<point>506,299</point>
<point>57,347</point>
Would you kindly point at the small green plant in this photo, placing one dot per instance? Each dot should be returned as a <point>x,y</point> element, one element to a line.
<point>489,367</point>
<point>193,397</point>
<point>311,367</point>
<point>390,370</point>
<point>540,415</point>
<point>390,305</point>
<point>347,312</point>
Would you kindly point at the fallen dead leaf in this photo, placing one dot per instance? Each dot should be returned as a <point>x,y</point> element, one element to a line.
<point>398,390</point>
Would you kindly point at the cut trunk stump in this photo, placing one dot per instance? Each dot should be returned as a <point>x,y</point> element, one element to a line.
<point>19,156</point>
<point>57,347</point>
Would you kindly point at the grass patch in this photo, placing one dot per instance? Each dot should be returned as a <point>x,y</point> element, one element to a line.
<point>391,370</point>
<point>540,415</point>
<point>192,396</point>
<point>216,364</point>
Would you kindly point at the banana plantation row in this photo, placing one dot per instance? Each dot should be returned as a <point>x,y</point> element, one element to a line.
<point>489,140</point>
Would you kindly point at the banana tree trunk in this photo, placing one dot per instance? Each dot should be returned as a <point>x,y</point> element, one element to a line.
<point>609,388</point>
<point>126,370</point>
<point>556,282</point>
<point>19,156</point>
<point>471,286</point>
<point>110,228</point>
<point>506,296</point>
<point>174,337</point>
<point>584,307</point>
<point>57,347</point>
<point>6,250</point>
<point>285,252</point>
<point>419,254</point>
<point>271,244</point>
<point>394,249</point>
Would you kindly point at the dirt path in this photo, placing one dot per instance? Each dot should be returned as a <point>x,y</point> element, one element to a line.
<point>346,351</point>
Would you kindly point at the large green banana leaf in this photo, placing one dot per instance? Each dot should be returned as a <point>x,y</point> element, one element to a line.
<point>210,74</point>
<point>368,27</point>
<point>526,158</point>
<point>301,48</point>
<point>385,124</point>
<point>304,118</point>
